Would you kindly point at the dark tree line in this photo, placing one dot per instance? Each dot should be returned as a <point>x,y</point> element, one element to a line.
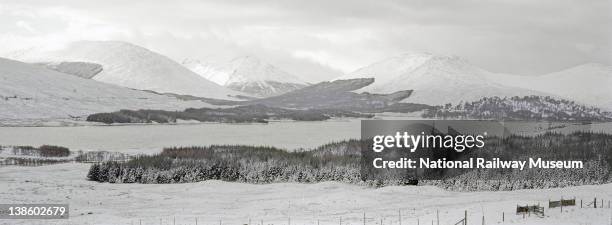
<point>53,151</point>
<point>43,151</point>
<point>239,114</point>
<point>538,108</point>
<point>30,161</point>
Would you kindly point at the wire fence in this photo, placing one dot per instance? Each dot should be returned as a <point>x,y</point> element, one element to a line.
<point>403,217</point>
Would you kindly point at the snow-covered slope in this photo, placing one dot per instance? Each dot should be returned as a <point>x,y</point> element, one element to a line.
<point>588,83</point>
<point>128,65</point>
<point>248,74</point>
<point>79,69</point>
<point>435,79</point>
<point>33,92</point>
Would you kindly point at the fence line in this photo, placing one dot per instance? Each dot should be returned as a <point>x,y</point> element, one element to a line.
<point>432,215</point>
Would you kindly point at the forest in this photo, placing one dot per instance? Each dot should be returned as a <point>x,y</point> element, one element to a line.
<point>239,114</point>
<point>534,108</point>
<point>342,162</point>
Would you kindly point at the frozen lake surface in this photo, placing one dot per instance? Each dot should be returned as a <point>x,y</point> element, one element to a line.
<point>136,138</point>
<point>286,134</point>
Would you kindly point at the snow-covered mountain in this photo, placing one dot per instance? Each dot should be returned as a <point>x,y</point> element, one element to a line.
<point>587,83</point>
<point>248,74</point>
<point>33,92</point>
<point>435,79</point>
<point>132,66</point>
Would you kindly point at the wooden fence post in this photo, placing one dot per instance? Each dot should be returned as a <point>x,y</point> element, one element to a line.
<point>595,203</point>
<point>503,216</point>
<point>437,216</point>
<point>364,218</point>
<point>399,216</point>
<point>465,218</point>
<point>196,219</point>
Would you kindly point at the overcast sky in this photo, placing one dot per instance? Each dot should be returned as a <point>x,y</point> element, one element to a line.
<point>325,36</point>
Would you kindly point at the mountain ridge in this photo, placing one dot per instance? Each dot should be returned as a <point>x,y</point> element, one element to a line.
<point>587,83</point>
<point>132,66</point>
<point>435,79</point>
<point>248,74</point>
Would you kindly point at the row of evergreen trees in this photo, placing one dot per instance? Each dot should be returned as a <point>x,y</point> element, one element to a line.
<point>248,164</point>
<point>341,161</point>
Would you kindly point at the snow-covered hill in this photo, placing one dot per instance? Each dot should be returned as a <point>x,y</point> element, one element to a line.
<point>587,83</point>
<point>33,92</point>
<point>248,74</point>
<point>435,79</point>
<point>132,66</point>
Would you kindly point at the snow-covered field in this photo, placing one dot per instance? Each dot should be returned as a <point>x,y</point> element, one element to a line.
<point>236,203</point>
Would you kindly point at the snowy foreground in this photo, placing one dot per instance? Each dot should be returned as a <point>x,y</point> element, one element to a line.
<point>213,202</point>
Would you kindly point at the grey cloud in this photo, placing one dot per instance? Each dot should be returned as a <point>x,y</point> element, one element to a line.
<point>515,36</point>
